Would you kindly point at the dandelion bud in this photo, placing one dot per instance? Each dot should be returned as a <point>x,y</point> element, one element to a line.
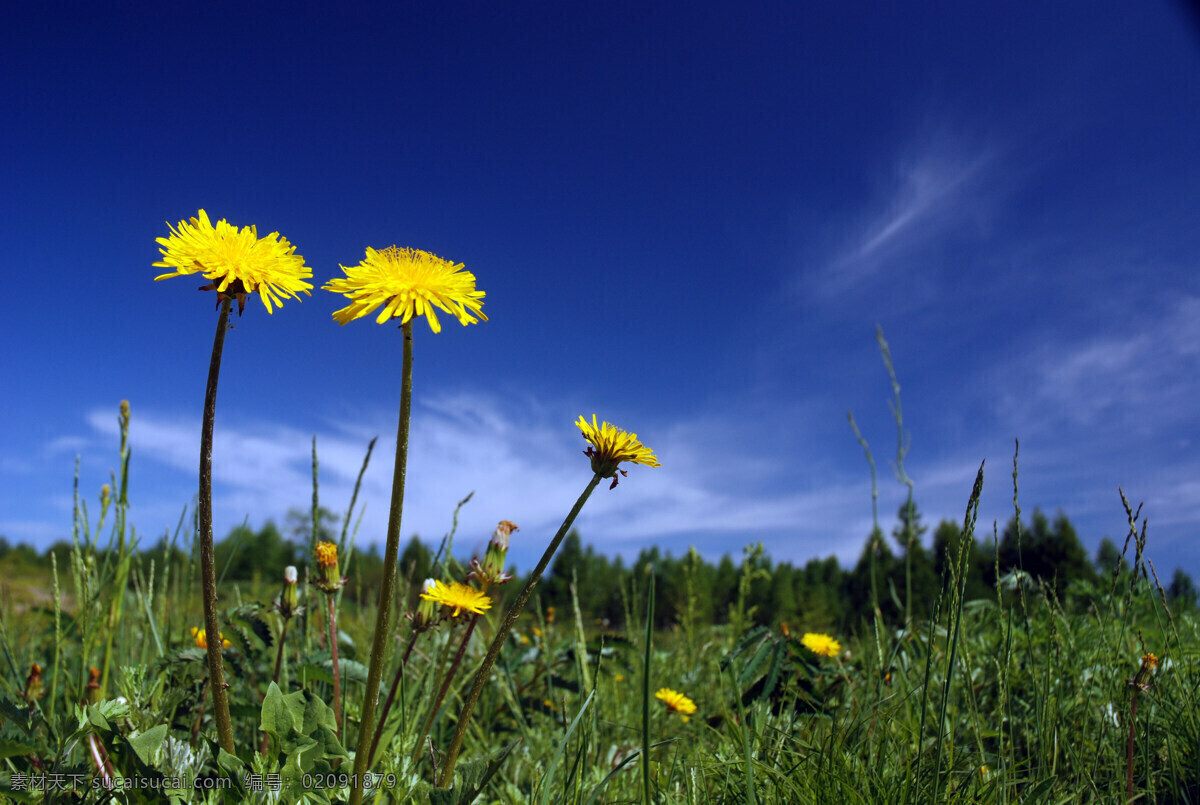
<point>1142,678</point>
<point>124,414</point>
<point>288,603</point>
<point>105,495</point>
<point>425,606</point>
<point>33,683</point>
<point>329,577</point>
<point>491,570</point>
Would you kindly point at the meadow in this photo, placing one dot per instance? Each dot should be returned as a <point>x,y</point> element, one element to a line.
<point>1029,694</point>
<point>167,672</point>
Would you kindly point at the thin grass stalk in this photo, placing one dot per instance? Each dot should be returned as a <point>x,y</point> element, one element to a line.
<point>447,776</point>
<point>391,697</point>
<point>647,793</point>
<point>451,672</point>
<point>383,623</point>
<point>956,613</point>
<point>208,571</point>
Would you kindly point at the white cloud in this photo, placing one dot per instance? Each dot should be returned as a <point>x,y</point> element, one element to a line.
<point>523,466</point>
<point>934,187</point>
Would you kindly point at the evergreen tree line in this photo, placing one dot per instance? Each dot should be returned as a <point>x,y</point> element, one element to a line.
<point>901,576</point>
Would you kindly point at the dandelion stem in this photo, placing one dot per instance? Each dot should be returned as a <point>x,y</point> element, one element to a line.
<point>447,776</point>
<point>391,697</point>
<point>208,572</point>
<point>387,591</point>
<point>337,677</point>
<point>450,674</point>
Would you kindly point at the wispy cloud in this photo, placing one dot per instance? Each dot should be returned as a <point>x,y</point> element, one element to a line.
<point>932,188</point>
<point>521,466</point>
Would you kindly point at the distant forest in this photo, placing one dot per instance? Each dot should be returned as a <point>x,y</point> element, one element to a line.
<point>904,580</point>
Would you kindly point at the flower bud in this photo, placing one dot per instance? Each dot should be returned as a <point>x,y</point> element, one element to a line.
<point>329,577</point>
<point>423,619</point>
<point>491,570</point>
<point>288,603</point>
<point>33,683</point>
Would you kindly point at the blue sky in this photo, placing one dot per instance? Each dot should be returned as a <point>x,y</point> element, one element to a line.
<point>688,219</point>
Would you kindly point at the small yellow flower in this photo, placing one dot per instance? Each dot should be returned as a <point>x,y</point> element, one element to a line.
<point>537,632</point>
<point>458,596</point>
<point>1149,661</point>
<point>611,446</point>
<point>407,282</point>
<point>821,644</point>
<point>330,579</point>
<point>237,262</point>
<point>618,677</point>
<point>676,701</point>
<point>202,640</point>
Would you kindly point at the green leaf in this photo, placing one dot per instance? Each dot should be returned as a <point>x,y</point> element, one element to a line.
<point>15,748</point>
<point>352,671</point>
<point>754,667</point>
<point>747,640</point>
<point>276,717</point>
<point>146,745</point>
<point>775,671</point>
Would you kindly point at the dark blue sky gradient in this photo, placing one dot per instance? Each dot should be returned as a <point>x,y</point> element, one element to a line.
<point>688,218</point>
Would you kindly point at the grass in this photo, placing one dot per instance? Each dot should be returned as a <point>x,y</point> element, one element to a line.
<point>1022,698</point>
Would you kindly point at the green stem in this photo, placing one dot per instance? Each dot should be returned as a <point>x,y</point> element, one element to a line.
<point>208,571</point>
<point>383,623</point>
<point>391,697</point>
<point>514,612</point>
<point>450,674</point>
<point>337,677</point>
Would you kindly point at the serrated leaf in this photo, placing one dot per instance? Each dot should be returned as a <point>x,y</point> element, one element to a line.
<point>351,670</point>
<point>745,642</point>
<point>146,745</point>
<point>775,670</point>
<point>754,667</point>
<point>15,748</point>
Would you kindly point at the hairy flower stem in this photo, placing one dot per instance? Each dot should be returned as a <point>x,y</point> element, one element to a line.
<point>447,776</point>
<point>391,697</point>
<point>383,620</point>
<point>1129,748</point>
<point>450,674</point>
<point>337,677</point>
<point>208,570</point>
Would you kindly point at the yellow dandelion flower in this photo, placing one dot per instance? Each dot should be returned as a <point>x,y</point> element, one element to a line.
<point>327,554</point>
<point>1149,661</point>
<point>202,640</point>
<point>237,262</point>
<point>407,282</point>
<point>821,644</point>
<point>458,596</point>
<point>611,446</point>
<point>676,701</point>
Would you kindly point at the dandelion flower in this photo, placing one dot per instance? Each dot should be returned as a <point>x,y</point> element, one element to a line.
<point>676,701</point>
<point>458,596</point>
<point>237,262</point>
<point>611,446</point>
<point>202,641</point>
<point>821,644</point>
<point>407,282</point>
